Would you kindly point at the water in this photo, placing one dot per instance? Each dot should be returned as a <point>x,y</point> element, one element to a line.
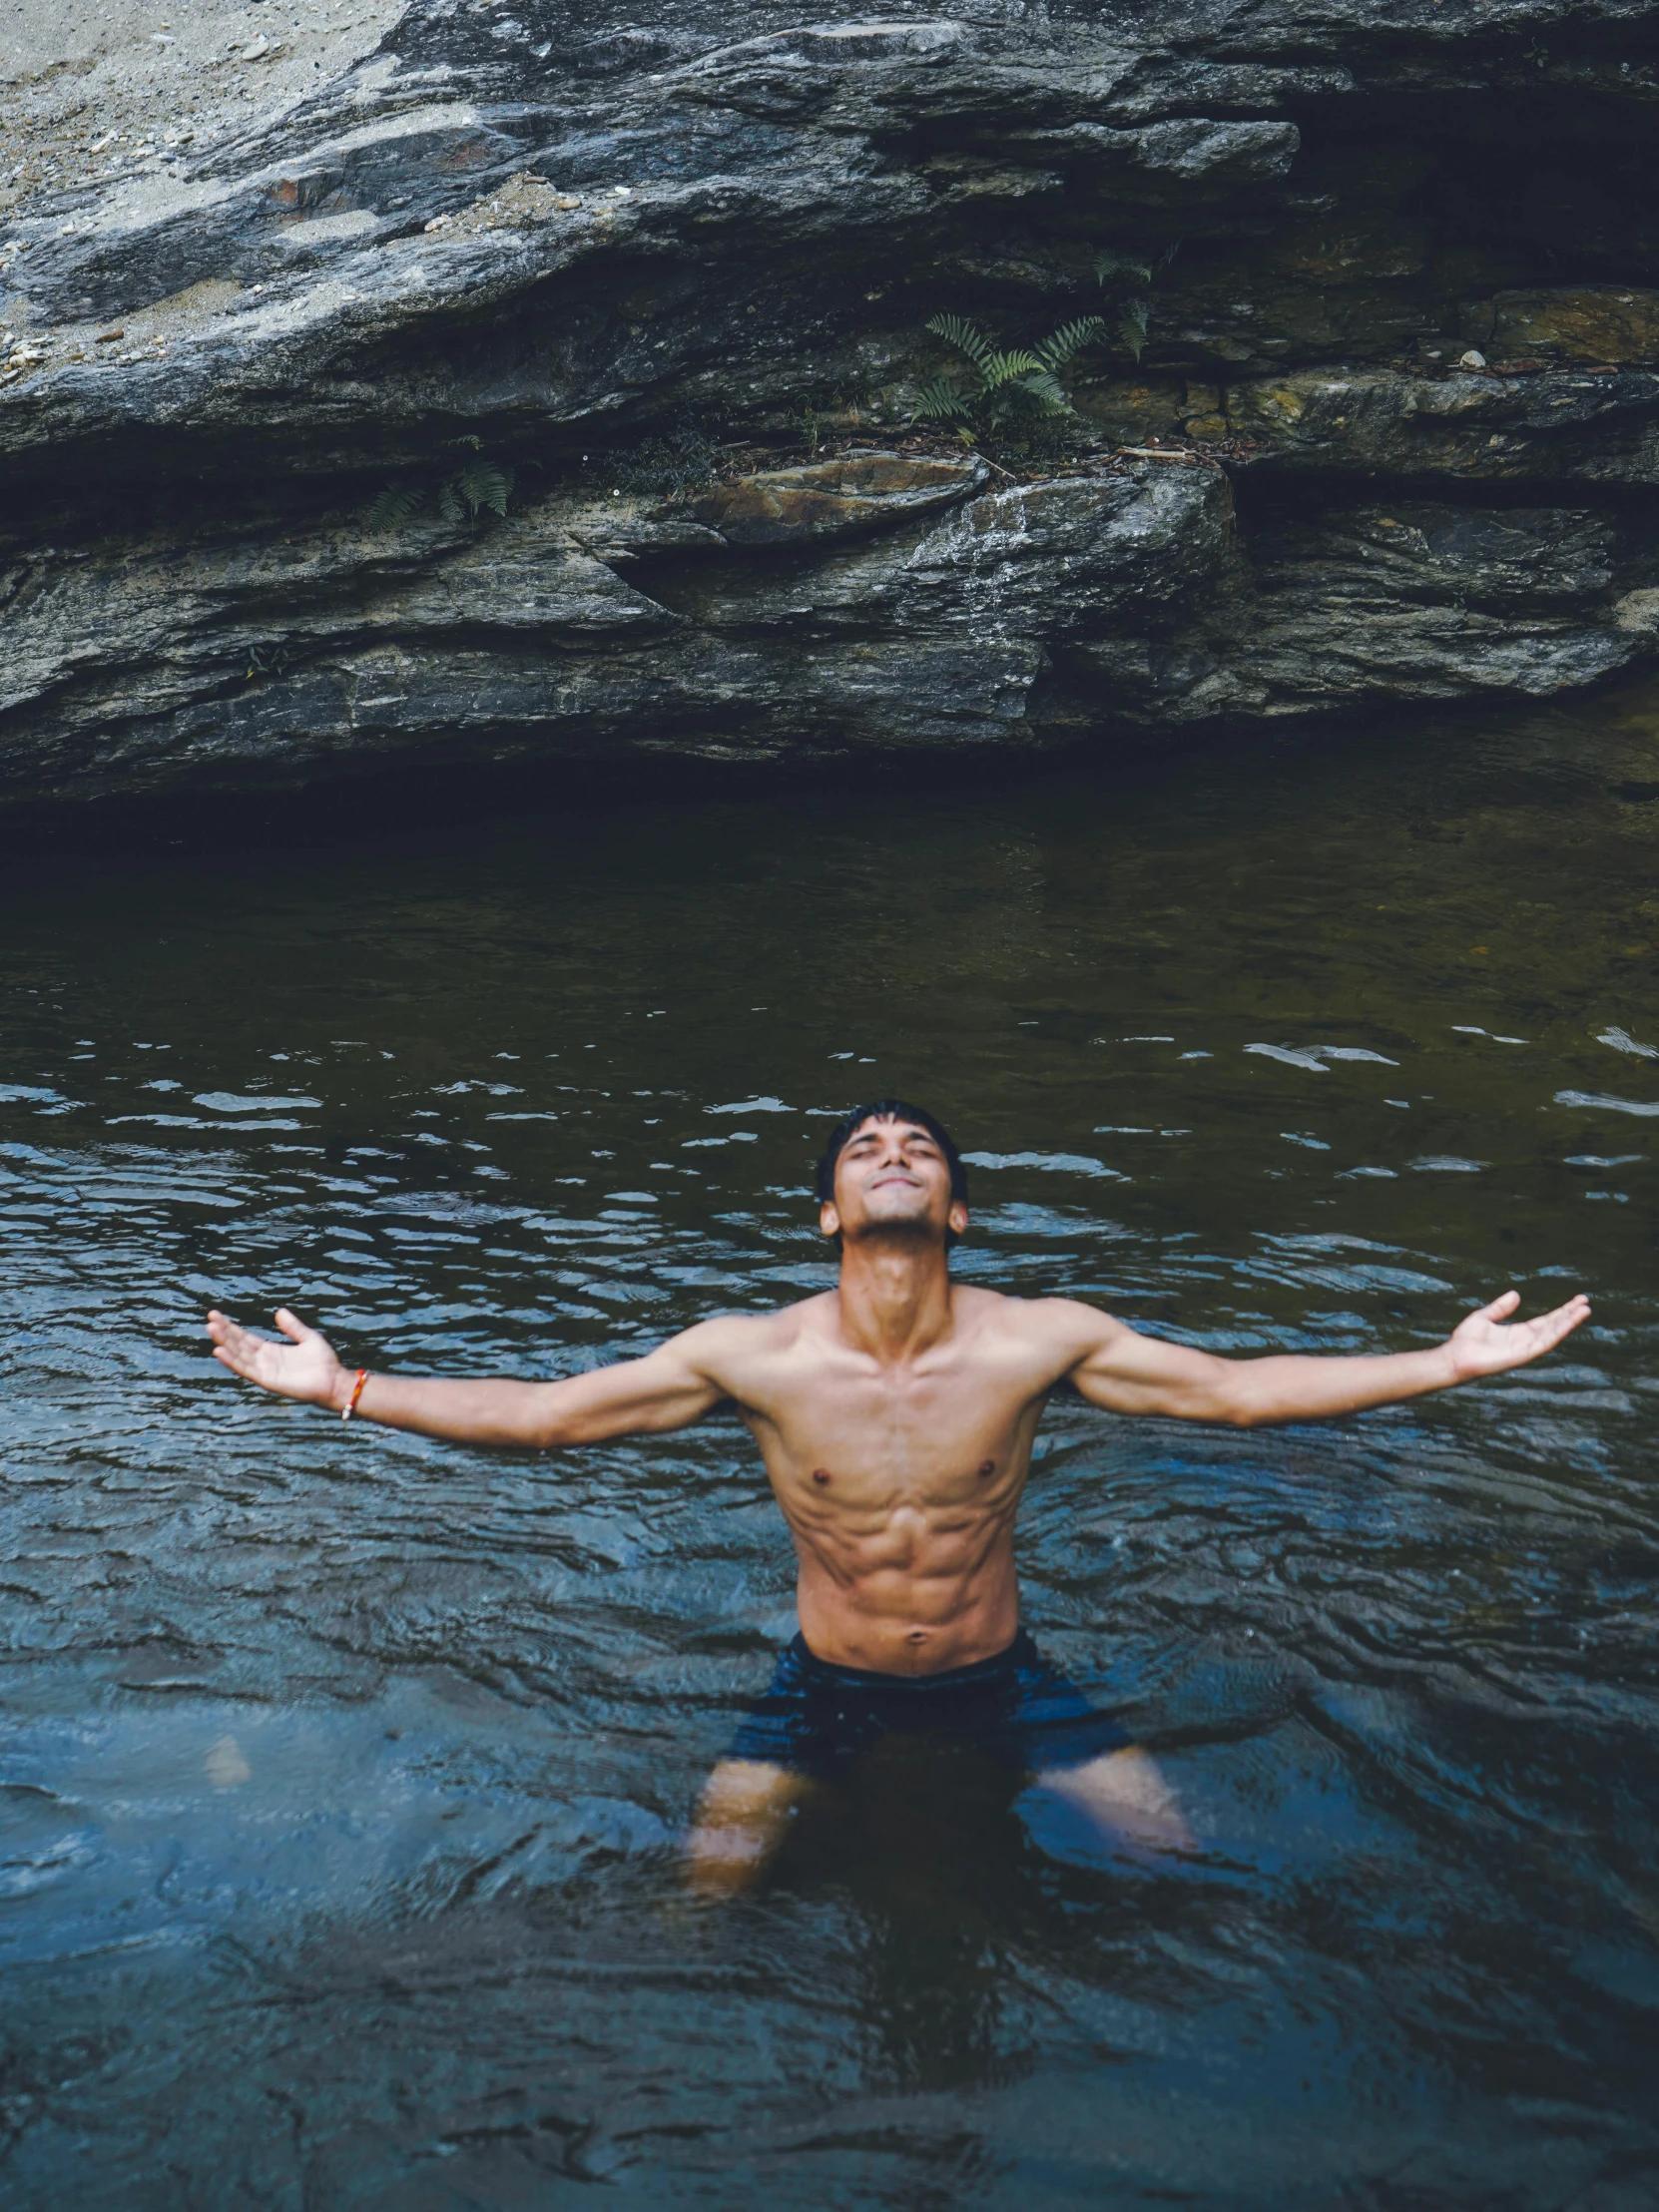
<point>342,1772</point>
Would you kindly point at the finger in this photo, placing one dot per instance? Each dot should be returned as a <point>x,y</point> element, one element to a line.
<point>1563,1317</point>
<point>1530,1339</point>
<point>291,1326</point>
<point>245,1351</point>
<point>1566,1318</point>
<point>1501,1306</point>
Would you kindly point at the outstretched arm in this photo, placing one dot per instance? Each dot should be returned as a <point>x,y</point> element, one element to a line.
<point>1130,1373</point>
<point>668,1388</point>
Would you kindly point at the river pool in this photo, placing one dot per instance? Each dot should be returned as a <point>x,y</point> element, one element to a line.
<point>341,1774</point>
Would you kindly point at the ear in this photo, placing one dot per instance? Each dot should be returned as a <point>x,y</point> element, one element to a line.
<point>829,1221</point>
<point>958,1217</point>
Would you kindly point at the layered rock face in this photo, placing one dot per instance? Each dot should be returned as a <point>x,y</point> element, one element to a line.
<point>1392,434</point>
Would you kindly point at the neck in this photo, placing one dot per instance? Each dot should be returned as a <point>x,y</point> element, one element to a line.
<point>894,1294</point>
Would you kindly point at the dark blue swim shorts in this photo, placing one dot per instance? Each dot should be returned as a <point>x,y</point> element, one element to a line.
<point>1017,1709</point>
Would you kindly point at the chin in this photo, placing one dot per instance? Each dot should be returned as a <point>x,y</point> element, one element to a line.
<point>919,1225</point>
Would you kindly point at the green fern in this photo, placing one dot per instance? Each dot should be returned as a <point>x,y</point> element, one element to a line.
<point>1115,270</point>
<point>1129,280</point>
<point>1005,390</point>
<point>395,505</point>
<point>1046,389</point>
<point>1133,318</point>
<point>940,400</point>
<point>1010,367</point>
<point>968,338</point>
<point>483,485</point>
<point>459,497</point>
<point>1069,340</point>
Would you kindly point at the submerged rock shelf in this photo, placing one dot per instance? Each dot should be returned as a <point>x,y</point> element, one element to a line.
<point>660,289</point>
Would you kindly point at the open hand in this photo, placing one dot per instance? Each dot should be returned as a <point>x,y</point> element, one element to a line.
<point>1480,1344</point>
<point>304,1368</point>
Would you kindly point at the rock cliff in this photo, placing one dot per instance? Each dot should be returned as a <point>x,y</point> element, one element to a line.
<point>543,379</point>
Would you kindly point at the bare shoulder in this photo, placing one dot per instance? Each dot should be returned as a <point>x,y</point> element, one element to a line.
<point>1060,1327</point>
<point>728,1341</point>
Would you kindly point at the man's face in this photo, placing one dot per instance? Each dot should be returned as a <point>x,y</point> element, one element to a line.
<point>891,1174</point>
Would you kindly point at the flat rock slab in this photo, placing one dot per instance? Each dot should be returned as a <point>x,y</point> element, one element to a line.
<point>847,497</point>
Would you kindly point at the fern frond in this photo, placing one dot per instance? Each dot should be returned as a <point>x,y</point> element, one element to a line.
<point>1121,268</point>
<point>476,443</point>
<point>1071,337</point>
<point>939,401</point>
<point>967,337</point>
<point>1133,318</point>
<point>1044,388</point>
<point>483,485</point>
<point>1009,367</point>
<point>450,505</point>
<point>395,505</point>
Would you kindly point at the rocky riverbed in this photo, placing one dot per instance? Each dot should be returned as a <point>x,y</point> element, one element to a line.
<point>490,380</point>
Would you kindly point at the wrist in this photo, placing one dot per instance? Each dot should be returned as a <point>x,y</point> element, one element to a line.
<point>340,1385</point>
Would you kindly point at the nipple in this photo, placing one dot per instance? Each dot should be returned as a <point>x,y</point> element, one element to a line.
<point>986,1466</point>
<point>820,1475</point>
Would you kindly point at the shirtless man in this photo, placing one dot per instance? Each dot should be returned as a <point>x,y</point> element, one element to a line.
<point>896,1415</point>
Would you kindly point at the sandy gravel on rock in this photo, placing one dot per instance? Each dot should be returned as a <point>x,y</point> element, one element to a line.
<point>90,91</point>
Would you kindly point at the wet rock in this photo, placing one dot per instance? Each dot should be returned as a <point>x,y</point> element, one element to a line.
<point>543,244</point>
<point>1560,427</point>
<point>243,658</point>
<point>1605,324</point>
<point>1638,611</point>
<point>1415,601</point>
<point>843,498</point>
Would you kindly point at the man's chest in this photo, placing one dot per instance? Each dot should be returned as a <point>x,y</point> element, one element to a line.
<point>942,1434</point>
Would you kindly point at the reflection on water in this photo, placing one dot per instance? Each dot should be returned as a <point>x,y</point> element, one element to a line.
<point>341,1773</point>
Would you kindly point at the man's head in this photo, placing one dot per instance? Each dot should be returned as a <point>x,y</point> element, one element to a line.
<point>889,1168</point>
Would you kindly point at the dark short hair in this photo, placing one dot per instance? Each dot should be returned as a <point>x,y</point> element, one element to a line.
<point>888,1109</point>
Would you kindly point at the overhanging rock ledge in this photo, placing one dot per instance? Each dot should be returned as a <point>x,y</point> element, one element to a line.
<point>1374,417</point>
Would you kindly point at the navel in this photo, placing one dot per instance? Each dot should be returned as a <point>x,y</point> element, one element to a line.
<point>820,1475</point>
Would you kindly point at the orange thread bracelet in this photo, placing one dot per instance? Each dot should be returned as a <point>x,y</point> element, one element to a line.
<point>357,1392</point>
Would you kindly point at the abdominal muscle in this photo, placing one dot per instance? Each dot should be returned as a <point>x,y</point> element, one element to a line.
<point>912,1591</point>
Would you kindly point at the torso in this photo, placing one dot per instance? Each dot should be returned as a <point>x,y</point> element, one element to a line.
<point>900,1483</point>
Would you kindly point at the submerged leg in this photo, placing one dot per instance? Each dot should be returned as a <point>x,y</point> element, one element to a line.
<point>745,1809</point>
<point>1123,1791</point>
